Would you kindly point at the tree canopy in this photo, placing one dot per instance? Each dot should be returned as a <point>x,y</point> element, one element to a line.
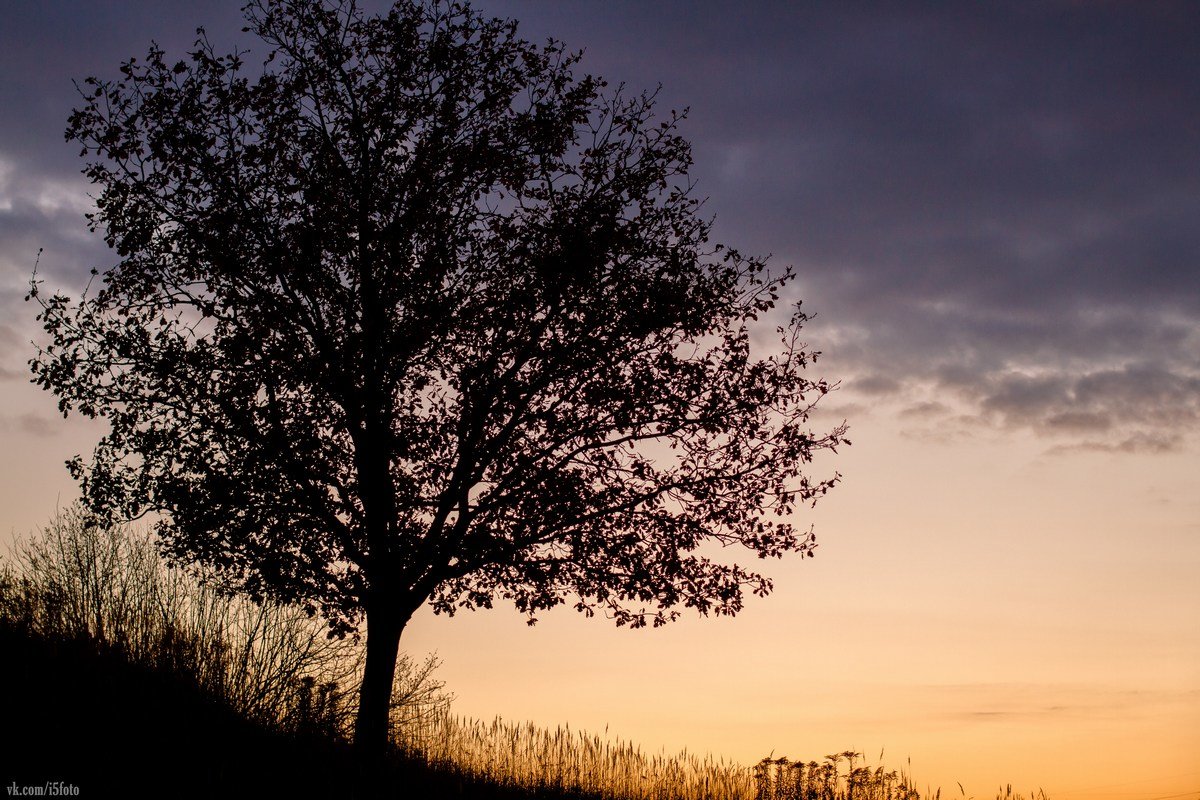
<point>416,314</point>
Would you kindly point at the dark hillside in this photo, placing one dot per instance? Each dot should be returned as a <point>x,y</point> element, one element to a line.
<point>110,728</point>
<point>92,720</point>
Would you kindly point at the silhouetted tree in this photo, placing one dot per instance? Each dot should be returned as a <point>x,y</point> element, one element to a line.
<point>418,315</point>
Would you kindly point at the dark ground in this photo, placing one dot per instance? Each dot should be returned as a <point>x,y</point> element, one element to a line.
<point>79,723</point>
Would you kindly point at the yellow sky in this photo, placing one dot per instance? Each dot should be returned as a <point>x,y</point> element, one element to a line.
<point>994,613</point>
<point>991,611</point>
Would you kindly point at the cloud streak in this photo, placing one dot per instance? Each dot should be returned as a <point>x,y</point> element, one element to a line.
<point>992,208</point>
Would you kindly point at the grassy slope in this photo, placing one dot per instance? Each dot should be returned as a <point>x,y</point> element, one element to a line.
<point>70,714</point>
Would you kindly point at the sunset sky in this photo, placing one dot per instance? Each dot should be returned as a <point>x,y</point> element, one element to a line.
<point>994,211</point>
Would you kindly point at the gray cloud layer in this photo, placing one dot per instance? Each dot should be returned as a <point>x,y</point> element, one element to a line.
<point>992,206</point>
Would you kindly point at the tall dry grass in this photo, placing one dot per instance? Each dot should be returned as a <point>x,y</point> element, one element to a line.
<point>268,661</point>
<point>781,779</point>
<point>845,776</point>
<point>574,762</point>
<point>274,664</point>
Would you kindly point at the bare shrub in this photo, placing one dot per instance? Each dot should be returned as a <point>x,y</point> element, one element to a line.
<point>269,661</point>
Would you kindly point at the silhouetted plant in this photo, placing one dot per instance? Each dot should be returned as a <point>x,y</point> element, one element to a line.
<point>270,662</point>
<point>781,779</point>
<point>418,315</point>
<point>561,760</point>
<point>106,586</point>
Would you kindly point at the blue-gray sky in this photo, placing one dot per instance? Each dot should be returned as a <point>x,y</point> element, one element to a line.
<point>993,203</point>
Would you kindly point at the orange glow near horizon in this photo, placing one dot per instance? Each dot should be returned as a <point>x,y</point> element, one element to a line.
<point>981,610</point>
<point>991,614</point>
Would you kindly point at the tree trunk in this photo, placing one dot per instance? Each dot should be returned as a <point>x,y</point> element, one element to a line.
<point>385,623</point>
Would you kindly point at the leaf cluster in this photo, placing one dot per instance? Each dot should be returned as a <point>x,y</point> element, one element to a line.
<point>415,312</point>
